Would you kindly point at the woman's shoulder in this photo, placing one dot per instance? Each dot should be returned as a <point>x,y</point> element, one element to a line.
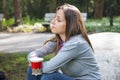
<point>50,43</point>
<point>76,39</point>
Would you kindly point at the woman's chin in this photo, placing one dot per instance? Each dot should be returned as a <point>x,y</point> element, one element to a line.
<point>53,31</point>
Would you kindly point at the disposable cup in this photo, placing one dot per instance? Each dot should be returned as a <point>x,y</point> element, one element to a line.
<point>36,64</point>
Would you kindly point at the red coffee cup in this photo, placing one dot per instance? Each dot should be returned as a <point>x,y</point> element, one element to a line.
<point>36,64</point>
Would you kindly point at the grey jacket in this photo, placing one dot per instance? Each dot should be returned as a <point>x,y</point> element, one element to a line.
<point>75,59</point>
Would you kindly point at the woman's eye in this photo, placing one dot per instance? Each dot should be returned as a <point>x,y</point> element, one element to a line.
<point>59,20</point>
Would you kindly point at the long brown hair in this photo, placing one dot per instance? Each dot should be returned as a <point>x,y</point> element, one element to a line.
<point>74,22</point>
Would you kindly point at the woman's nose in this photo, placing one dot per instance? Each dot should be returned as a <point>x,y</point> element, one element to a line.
<point>52,22</point>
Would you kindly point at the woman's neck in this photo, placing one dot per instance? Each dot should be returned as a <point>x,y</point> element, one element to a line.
<point>63,37</point>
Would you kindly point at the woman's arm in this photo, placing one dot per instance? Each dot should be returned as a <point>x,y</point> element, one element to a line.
<point>67,53</point>
<point>49,47</point>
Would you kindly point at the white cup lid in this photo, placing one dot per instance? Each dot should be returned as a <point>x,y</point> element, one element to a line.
<point>36,59</point>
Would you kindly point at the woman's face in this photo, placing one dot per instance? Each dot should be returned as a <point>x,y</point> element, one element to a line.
<point>58,24</point>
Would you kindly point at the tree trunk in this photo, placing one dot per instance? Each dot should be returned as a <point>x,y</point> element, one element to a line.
<point>4,9</point>
<point>98,8</point>
<point>17,13</point>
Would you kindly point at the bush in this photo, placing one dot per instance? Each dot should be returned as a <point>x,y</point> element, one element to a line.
<point>37,27</point>
<point>6,23</point>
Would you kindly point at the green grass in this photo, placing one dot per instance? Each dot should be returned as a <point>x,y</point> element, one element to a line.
<point>14,65</point>
<point>102,25</point>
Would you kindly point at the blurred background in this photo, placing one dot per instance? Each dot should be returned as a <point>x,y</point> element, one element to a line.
<point>101,14</point>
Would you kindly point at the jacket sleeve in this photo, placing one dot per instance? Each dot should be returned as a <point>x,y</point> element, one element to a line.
<point>49,47</point>
<point>67,53</point>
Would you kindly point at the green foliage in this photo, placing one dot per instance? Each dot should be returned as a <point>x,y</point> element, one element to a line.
<point>9,8</point>
<point>34,25</point>
<point>81,4</point>
<point>34,8</point>
<point>102,25</point>
<point>31,21</point>
<point>26,20</point>
<point>7,22</point>
<point>37,8</point>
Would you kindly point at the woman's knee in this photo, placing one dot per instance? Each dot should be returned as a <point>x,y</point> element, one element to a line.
<point>29,70</point>
<point>55,76</point>
<point>49,76</point>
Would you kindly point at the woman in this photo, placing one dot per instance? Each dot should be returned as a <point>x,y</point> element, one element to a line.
<point>74,52</point>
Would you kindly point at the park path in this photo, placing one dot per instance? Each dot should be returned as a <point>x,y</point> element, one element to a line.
<point>26,42</point>
<point>22,42</point>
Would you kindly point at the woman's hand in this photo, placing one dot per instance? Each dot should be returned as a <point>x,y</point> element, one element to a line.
<point>29,64</point>
<point>32,54</point>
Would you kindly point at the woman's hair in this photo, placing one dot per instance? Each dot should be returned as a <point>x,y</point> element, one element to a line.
<point>74,22</point>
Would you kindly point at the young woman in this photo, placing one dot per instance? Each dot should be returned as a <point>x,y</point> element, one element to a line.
<point>74,52</point>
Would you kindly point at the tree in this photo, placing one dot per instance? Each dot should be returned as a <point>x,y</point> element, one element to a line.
<point>36,8</point>
<point>4,8</point>
<point>17,12</point>
<point>52,5</point>
<point>98,8</point>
